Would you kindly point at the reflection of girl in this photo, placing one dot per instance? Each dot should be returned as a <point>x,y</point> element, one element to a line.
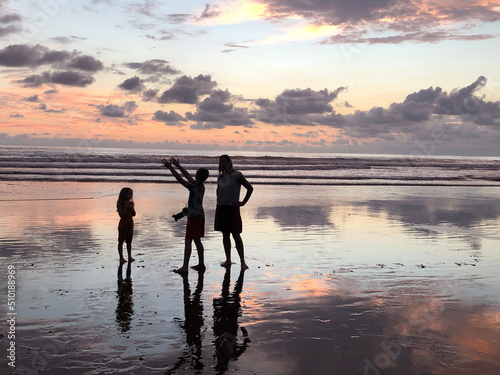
<point>125,307</point>
<point>227,214</point>
<point>126,210</point>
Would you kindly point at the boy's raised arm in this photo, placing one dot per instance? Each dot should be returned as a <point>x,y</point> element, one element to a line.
<point>183,170</point>
<point>177,176</point>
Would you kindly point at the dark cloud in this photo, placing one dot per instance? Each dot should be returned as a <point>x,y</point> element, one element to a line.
<point>309,134</point>
<point>210,11</point>
<point>234,45</point>
<point>10,23</point>
<point>179,17</point>
<point>470,10</point>
<point>489,114</point>
<point>68,78</point>
<point>164,35</point>
<point>417,107</point>
<point>460,114</point>
<point>86,63</point>
<point>32,99</point>
<point>402,20</point>
<point>462,101</point>
<point>9,29</point>
<point>20,55</point>
<point>295,106</point>
<point>297,102</point>
<point>161,67</point>
<point>132,84</point>
<point>149,95</point>
<point>43,107</point>
<point>157,71</point>
<point>26,139</point>
<point>169,118</point>
<point>462,107</point>
<point>426,104</point>
<point>16,115</point>
<point>411,111</point>
<point>67,39</point>
<point>188,90</point>
<point>113,110</point>
<point>10,18</point>
<point>376,122</point>
<point>96,2</point>
<point>230,47</point>
<point>334,12</point>
<point>354,37</point>
<point>424,96</point>
<point>133,65</point>
<point>217,111</point>
<point>146,8</point>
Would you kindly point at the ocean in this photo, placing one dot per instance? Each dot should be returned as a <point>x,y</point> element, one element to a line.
<point>359,264</point>
<point>134,165</point>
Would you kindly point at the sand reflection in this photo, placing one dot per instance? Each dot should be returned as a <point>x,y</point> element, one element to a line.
<point>394,331</point>
<point>387,282</point>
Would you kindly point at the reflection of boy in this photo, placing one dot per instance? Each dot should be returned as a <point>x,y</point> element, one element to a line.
<point>195,226</point>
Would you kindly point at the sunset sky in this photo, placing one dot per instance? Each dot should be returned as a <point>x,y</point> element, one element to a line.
<point>365,76</point>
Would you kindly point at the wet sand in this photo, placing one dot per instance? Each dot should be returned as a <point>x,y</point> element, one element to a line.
<point>344,280</point>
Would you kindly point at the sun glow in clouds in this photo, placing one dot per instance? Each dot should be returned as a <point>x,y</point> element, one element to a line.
<point>232,12</point>
<point>301,33</point>
<point>236,12</point>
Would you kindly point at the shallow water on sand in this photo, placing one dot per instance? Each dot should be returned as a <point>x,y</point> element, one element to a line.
<point>344,280</point>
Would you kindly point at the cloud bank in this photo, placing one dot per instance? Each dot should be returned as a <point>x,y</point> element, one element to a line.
<point>325,119</point>
<point>359,22</point>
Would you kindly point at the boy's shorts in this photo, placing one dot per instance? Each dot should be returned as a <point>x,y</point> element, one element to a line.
<point>195,227</point>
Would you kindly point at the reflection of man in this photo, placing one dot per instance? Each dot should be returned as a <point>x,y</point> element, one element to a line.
<point>125,307</point>
<point>193,310</point>
<point>227,309</point>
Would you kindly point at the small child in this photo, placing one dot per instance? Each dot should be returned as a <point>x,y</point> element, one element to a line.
<point>195,227</point>
<point>126,210</point>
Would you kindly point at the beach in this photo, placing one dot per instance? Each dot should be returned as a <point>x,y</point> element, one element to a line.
<point>342,279</point>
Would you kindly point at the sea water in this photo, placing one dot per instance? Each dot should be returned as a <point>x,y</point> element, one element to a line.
<point>133,165</point>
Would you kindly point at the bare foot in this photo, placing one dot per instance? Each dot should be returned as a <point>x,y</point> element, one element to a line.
<point>244,266</point>
<point>122,260</point>
<point>199,267</point>
<point>130,260</point>
<point>181,270</point>
<point>227,263</point>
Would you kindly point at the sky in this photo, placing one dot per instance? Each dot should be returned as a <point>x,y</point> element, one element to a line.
<point>412,77</point>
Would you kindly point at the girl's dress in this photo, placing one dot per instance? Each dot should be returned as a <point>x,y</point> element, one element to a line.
<point>126,224</point>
